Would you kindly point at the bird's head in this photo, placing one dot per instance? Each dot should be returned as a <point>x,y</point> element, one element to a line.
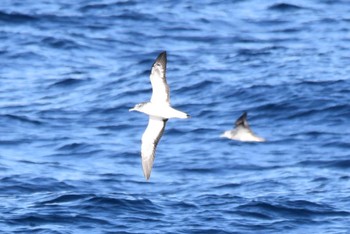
<point>138,107</point>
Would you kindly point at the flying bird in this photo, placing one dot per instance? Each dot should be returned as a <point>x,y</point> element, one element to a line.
<point>159,111</point>
<point>242,131</point>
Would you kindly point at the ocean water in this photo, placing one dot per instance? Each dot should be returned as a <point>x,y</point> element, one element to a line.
<point>70,150</point>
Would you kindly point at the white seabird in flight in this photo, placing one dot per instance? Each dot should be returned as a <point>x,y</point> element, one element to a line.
<point>242,131</point>
<point>159,111</point>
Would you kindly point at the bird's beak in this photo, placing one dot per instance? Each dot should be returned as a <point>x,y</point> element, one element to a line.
<point>132,109</point>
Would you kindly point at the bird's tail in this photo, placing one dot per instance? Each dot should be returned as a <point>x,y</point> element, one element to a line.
<point>181,115</point>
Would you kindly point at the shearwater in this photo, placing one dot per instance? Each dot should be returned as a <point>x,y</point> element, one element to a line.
<point>159,111</point>
<point>242,131</point>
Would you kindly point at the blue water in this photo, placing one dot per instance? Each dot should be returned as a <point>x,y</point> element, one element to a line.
<point>70,150</point>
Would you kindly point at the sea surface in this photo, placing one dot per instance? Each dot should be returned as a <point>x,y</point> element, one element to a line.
<point>70,149</point>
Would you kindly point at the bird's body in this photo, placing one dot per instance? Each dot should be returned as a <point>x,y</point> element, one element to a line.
<point>159,111</point>
<point>242,131</point>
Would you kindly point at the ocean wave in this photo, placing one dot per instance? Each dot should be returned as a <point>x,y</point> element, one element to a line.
<point>15,17</point>
<point>335,163</point>
<point>285,7</point>
<point>21,185</point>
<point>22,119</point>
<point>291,209</point>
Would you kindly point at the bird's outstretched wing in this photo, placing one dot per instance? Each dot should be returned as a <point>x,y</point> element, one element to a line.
<point>160,88</point>
<point>150,139</point>
<point>242,121</point>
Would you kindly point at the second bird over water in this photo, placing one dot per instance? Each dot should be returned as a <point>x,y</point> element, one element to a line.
<point>159,111</point>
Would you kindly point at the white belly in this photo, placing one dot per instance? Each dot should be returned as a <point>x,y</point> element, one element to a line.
<point>164,111</point>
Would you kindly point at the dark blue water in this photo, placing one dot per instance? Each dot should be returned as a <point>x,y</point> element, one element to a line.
<point>69,148</point>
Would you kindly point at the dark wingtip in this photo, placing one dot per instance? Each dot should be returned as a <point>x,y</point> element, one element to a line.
<point>162,58</point>
<point>242,120</point>
<point>147,176</point>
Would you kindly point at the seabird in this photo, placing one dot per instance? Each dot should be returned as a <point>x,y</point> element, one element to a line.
<point>159,111</point>
<point>242,131</point>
